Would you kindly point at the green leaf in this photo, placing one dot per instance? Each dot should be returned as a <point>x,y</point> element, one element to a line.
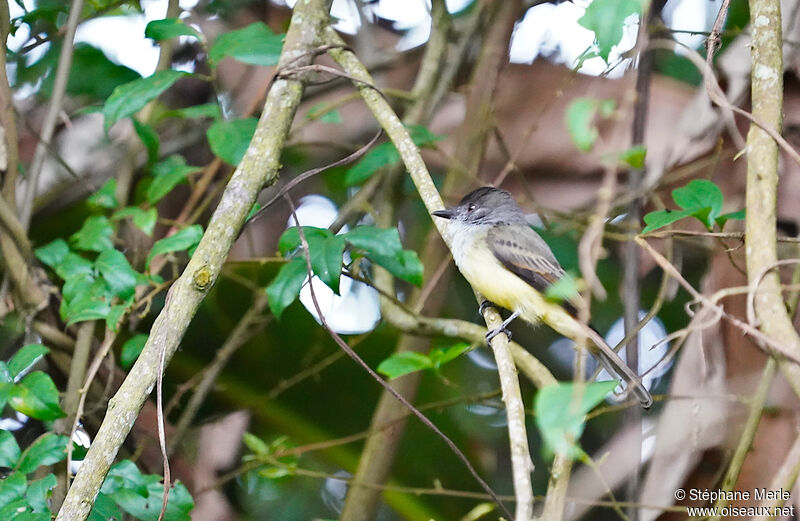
<point>326,259</point>
<point>104,509</point>
<point>404,362</point>
<point>124,475</point>
<point>140,495</point>
<point>168,28</point>
<point>254,210</point>
<point>560,413</point>
<point>702,196</point>
<point>634,157</point>
<point>406,266</point>
<point>92,303</point>
<point>9,450</point>
<point>36,396</point>
<point>105,197</point>
<point>442,355</point>
<point>73,265</point>
<point>149,138</point>
<point>145,220</point>
<point>129,98</point>
<point>324,113</point>
<point>285,287</point>
<point>25,357</point>
<point>381,241</point>
<point>580,120</point>
<point>114,315</point>
<point>39,492</point>
<point>386,154</point>
<point>52,253</point>
<point>256,44</point>
<point>80,284</point>
<point>606,18</point>
<point>256,444</point>
<point>131,350</point>
<point>180,241</point>
<point>565,288</point>
<point>94,235</point>
<point>117,272</point>
<point>206,110</point>
<point>737,216</point>
<point>49,448</point>
<point>661,218</point>
<point>229,139</point>
<point>167,174</point>
<point>290,239</point>
<point>12,488</point>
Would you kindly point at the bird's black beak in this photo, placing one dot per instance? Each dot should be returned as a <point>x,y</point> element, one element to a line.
<point>444,214</point>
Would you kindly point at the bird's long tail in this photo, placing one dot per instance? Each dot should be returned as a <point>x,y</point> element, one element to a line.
<point>612,363</point>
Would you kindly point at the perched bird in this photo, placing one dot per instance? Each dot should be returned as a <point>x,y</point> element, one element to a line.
<point>512,266</point>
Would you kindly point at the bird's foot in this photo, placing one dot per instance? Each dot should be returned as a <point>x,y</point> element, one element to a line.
<point>486,304</point>
<point>496,331</point>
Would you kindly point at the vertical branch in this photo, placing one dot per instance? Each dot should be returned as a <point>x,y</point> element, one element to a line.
<point>259,167</point>
<point>7,118</point>
<point>53,110</point>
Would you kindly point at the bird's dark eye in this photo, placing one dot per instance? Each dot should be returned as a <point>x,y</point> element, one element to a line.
<point>470,207</point>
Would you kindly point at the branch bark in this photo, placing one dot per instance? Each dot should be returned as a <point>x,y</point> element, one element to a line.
<point>259,167</point>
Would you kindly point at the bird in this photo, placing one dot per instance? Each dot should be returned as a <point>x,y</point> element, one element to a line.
<point>511,266</point>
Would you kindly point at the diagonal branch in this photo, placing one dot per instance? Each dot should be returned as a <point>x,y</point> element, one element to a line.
<point>259,167</point>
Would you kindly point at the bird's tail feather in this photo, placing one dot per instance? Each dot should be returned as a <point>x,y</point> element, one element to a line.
<point>612,363</point>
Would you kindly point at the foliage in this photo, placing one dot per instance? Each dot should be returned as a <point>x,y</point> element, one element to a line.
<point>701,199</point>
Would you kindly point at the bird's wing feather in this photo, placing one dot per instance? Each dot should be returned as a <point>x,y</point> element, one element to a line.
<point>524,253</point>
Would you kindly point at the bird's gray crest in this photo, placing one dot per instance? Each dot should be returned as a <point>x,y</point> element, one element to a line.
<point>489,205</point>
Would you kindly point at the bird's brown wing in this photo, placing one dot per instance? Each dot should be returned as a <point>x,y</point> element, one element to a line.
<point>524,253</point>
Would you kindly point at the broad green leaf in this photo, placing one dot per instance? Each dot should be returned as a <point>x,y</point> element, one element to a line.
<point>145,220</point>
<point>404,362</point>
<point>290,239</point>
<point>254,210</point>
<point>12,488</point>
<point>406,266</point>
<point>168,28</point>
<point>285,287</point>
<point>36,396</point>
<point>563,289</point>
<point>104,509</point>
<point>105,197</point>
<point>442,355</point>
<point>167,174</point>
<point>39,492</point>
<point>256,44</point>
<point>207,110</point>
<point>147,507</point>
<point>95,304</point>
<point>49,448</point>
<point>700,195</point>
<point>326,259</point>
<point>131,350</point>
<point>92,74</point>
<point>180,241</point>
<point>229,139</point>
<point>560,413</point>
<point>73,265</point>
<point>115,313</point>
<point>124,475</point>
<point>52,253</point>
<point>737,216</point>
<point>386,154</point>
<point>149,138</point>
<point>634,157</point>
<point>25,357</point>
<point>94,235</point>
<point>580,120</point>
<point>117,272</point>
<point>129,98</point>
<point>80,284</point>
<point>382,241</point>
<point>9,450</point>
<point>606,18</point>
<point>661,218</point>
